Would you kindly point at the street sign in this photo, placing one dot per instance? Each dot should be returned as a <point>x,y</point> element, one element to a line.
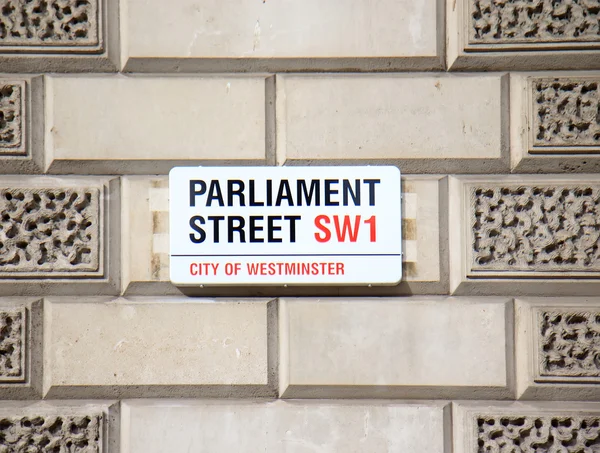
<point>285,225</point>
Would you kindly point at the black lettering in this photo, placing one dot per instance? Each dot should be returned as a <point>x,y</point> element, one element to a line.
<point>284,186</point>
<point>371,183</point>
<point>355,194</point>
<point>214,193</point>
<point>329,191</point>
<point>315,189</point>
<point>292,219</point>
<point>269,192</point>
<point>271,227</point>
<point>215,220</point>
<point>194,224</point>
<point>254,228</point>
<point>194,192</point>
<point>239,192</point>
<point>239,228</point>
<point>253,202</point>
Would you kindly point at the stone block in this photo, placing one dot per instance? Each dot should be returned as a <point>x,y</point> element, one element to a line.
<point>555,125</point>
<point>54,235</point>
<point>74,426</point>
<point>558,348</point>
<point>520,427</point>
<point>393,348</point>
<point>395,119</point>
<point>178,121</point>
<point>281,36</point>
<point>145,238</point>
<point>21,128</point>
<point>158,347</point>
<point>280,426</point>
<point>71,36</point>
<point>511,35</point>
<point>20,348</point>
<point>534,235</point>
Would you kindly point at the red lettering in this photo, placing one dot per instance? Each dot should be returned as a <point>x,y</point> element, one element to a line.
<point>347,227</point>
<point>194,269</point>
<point>373,233</point>
<point>319,220</point>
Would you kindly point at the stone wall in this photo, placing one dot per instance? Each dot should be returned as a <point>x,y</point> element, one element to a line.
<point>491,342</point>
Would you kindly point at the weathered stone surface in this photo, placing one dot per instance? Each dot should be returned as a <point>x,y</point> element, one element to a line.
<point>49,23</point>
<point>566,112</point>
<point>518,235</point>
<point>12,118</point>
<point>535,228</point>
<point>279,426</point>
<point>156,347</point>
<point>569,343</point>
<point>81,109</point>
<point>258,35</point>
<point>526,428</point>
<point>72,433</point>
<point>394,348</point>
<point>392,119</point>
<point>49,230</point>
<point>12,344</point>
<point>518,21</point>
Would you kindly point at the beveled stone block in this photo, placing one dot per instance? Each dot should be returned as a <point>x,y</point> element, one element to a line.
<point>509,35</point>
<point>55,231</point>
<point>280,426</point>
<point>555,125</point>
<point>157,347</point>
<point>396,348</point>
<point>495,426</point>
<point>394,119</point>
<point>69,36</point>
<point>558,348</point>
<point>281,36</point>
<point>537,235</point>
<point>178,121</point>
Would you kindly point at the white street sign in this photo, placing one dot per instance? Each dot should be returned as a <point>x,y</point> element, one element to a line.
<point>285,225</point>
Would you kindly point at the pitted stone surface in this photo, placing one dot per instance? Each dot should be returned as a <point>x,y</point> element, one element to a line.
<point>11,117</point>
<point>48,23</point>
<point>51,433</point>
<point>569,343</point>
<point>11,347</point>
<point>566,112</point>
<point>534,21</point>
<point>49,230</point>
<point>533,434</point>
<point>535,228</point>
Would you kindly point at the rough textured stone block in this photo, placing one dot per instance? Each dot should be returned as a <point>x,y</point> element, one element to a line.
<point>21,124</point>
<point>394,119</point>
<point>554,122</point>
<point>145,236</point>
<point>20,348</point>
<point>395,348</point>
<point>157,347</point>
<point>178,121</point>
<point>71,35</point>
<point>558,348</point>
<point>283,35</point>
<point>539,34</point>
<point>564,427</point>
<point>534,235</point>
<point>65,427</point>
<point>53,232</point>
<point>279,426</point>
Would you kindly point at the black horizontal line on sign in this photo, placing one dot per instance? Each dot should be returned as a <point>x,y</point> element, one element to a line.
<point>312,254</point>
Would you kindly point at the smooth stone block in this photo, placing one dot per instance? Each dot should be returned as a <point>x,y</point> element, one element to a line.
<point>156,347</point>
<point>279,426</point>
<point>118,124</point>
<point>423,123</point>
<point>269,36</point>
<point>395,348</point>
